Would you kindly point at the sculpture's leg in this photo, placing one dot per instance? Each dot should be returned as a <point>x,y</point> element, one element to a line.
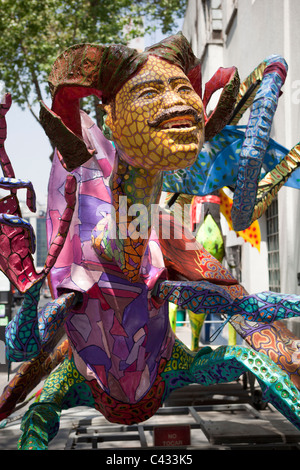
<point>21,334</point>
<point>226,364</point>
<point>275,340</point>
<point>225,300</point>
<point>29,376</point>
<point>39,425</point>
<point>64,388</point>
<point>30,329</point>
<point>197,321</point>
<point>265,307</point>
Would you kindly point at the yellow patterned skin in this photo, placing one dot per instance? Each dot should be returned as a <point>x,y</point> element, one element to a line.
<point>157,118</point>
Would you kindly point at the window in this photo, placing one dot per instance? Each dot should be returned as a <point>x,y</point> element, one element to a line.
<point>229,14</point>
<point>234,261</point>
<point>273,246</point>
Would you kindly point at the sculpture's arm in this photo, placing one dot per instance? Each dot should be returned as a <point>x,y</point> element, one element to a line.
<point>17,240</point>
<point>256,140</point>
<point>30,330</point>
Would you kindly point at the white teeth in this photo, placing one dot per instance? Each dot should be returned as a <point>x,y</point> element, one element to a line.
<point>177,124</point>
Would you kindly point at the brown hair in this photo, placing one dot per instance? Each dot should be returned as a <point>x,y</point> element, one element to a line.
<point>86,69</point>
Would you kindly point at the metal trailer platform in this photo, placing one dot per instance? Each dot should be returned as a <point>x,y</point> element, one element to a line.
<point>225,419</point>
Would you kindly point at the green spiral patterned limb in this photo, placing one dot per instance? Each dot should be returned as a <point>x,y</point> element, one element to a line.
<point>39,425</point>
<point>227,363</point>
<point>254,78</point>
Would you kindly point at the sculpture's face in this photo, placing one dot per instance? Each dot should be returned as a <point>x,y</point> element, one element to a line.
<point>157,121</point>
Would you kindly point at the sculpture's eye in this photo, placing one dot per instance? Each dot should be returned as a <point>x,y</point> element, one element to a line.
<point>184,89</point>
<point>149,93</point>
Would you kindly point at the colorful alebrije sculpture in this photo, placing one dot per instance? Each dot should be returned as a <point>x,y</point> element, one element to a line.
<point>114,264</point>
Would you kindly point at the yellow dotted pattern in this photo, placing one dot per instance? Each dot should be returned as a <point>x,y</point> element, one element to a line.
<point>151,93</point>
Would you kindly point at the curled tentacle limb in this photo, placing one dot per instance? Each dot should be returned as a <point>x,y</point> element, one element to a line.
<point>17,240</point>
<point>15,221</point>
<point>4,159</point>
<point>64,224</point>
<point>13,184</point>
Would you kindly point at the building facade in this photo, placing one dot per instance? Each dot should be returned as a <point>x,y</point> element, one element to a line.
<point>38,223</point>
<point>243,33</point>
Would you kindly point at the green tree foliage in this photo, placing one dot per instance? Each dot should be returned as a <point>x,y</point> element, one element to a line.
<point>34,32</point>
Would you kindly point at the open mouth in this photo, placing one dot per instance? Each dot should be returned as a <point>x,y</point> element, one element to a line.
<point>176,118</point>
<point>178,123</point>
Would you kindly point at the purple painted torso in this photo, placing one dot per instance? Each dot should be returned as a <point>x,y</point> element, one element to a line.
<point>118,334</point>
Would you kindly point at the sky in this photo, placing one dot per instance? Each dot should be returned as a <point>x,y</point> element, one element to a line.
<point>28,149</point>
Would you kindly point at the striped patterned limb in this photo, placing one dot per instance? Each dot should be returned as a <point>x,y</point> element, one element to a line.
<point>29,376</point>
<point>269,186</point>
<point>247,92</point>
